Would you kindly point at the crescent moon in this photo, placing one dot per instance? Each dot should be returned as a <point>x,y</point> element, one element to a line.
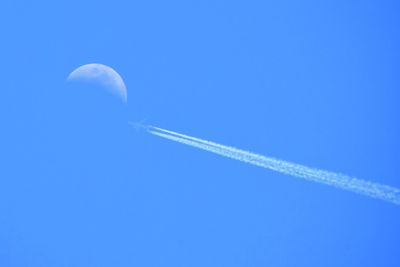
<point>102,75</point>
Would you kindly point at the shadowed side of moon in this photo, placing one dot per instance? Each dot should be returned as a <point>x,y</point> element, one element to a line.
<point>101,75</point>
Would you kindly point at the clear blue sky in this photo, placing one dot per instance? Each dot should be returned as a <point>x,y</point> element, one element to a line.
<point>313,82</point>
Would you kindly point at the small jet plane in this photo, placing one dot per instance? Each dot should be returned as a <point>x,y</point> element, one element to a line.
<point>139,125</point>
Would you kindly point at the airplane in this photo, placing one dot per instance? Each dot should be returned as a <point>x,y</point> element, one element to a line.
<point>139,125</point>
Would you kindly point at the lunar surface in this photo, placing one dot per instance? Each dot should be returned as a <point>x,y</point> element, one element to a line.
<point>101,75</point>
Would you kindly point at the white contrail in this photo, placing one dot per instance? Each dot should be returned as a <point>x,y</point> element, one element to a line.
<point>371,189</point>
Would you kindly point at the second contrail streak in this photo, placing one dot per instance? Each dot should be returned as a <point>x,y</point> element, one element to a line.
<point>371,189</point>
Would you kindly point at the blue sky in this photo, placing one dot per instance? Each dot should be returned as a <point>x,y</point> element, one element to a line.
<point>306,81</point>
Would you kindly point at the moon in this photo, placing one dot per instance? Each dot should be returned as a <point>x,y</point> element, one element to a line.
<point>102,75</point>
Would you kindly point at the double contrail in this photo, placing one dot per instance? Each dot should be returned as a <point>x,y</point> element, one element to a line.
<point>371,189</point>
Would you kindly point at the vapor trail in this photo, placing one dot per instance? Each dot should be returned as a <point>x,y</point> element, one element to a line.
<point>371,189</point>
